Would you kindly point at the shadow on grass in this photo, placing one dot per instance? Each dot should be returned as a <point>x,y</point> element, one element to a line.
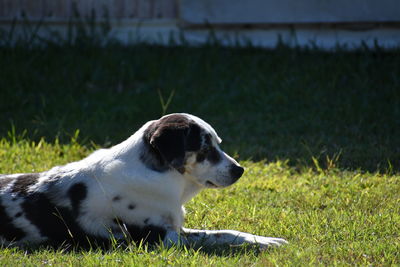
<point>219,251</point>
<point>307,106</point>
<point>227,251</point>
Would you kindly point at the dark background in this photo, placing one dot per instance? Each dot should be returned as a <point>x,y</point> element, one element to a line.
<point>340,108</point>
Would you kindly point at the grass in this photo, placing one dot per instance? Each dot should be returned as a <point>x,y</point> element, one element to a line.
<point>317,132</point>
<point>330,217</point>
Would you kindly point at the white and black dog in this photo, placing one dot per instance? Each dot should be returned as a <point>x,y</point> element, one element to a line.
<point>133,190</point>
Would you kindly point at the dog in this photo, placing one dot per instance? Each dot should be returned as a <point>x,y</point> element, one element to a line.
<point>132,191</point>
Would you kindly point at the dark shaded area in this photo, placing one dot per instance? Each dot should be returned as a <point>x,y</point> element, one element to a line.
<point>342,108</point>
<point>150,234</point>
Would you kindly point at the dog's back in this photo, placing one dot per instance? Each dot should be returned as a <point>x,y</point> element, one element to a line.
<point>33,210</point>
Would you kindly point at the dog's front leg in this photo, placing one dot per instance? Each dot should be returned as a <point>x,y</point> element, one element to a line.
<point>197,238</point>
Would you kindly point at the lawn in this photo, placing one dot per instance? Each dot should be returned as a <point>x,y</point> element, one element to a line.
<point>318,133</point>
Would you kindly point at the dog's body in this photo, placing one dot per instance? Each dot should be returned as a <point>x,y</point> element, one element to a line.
<point>133,190</point>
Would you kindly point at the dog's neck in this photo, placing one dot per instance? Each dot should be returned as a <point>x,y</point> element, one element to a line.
<point>190,190</point>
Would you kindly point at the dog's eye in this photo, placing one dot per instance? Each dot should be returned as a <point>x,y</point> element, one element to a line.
<point>209,153</point>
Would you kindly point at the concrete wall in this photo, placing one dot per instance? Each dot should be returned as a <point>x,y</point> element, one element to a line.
<point>65,9</point>
<point>322,23</point>
<point>289,11</point>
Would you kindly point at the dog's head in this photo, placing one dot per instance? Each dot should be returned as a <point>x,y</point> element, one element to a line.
<point>189,145</point>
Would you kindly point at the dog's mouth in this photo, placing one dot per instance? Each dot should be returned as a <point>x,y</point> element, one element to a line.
<point>211,184</point>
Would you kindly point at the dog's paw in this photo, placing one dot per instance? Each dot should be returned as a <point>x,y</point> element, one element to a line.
<point>266,242</point>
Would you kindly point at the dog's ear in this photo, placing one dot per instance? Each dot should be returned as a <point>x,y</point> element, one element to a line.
<point>170,141</point>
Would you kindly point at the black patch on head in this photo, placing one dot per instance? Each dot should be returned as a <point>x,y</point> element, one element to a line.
<point>167,140</point>
<point>18,214</point>
<point>207,139</point>
<point>152,159</point>
<point>8,230</point>
<point>116,198</point>
<point>76,194</point>
<point>213,155</point>
<point>58,223</point>
<point>193,139</point>
<point>150,155</point>
<point>131,206</point>
<point>4,181</point>
<point>23,182</point>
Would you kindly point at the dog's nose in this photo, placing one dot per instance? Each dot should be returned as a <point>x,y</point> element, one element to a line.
<point>236,171</point>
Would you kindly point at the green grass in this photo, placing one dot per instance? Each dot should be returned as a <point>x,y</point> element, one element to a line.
<point>330,216</point>
<point>317,132</point>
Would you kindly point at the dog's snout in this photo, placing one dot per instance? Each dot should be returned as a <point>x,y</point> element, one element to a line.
<point>236,171</point>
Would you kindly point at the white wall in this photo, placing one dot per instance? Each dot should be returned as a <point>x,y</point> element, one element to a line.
<point>289,11</point>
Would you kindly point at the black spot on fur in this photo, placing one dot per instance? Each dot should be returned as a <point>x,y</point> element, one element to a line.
<point>4,181</point>
<point>131,206</point>
<point>18,214</point>
<point>58,223</point>
<point>213,155</point>
<point>9,231</point>
<point>77,193</point>
<point>116,198</point>
<point>151,234</point>
<point>146,221</point>
<point>23,182</point>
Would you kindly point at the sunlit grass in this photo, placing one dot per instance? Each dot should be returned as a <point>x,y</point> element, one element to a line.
<point>330,216</point>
